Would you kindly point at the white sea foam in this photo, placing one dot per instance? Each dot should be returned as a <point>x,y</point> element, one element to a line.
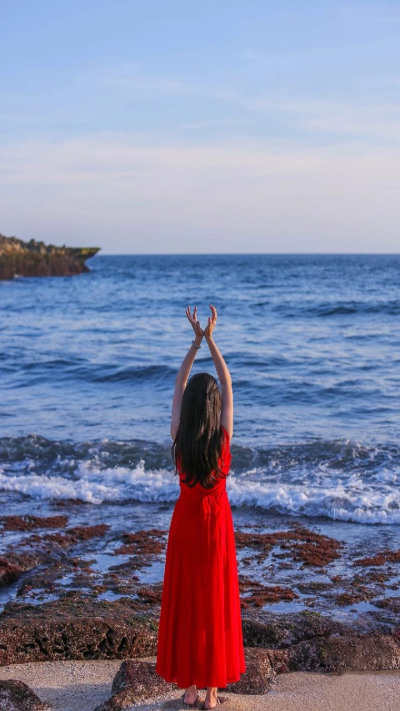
<point>373,498</point>
<point>338,500</point>
<point>96,485</point>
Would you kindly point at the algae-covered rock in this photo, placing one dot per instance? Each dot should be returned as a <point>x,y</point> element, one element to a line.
<point>350,652</point>
<point>259,672</point>
<point>74,629</point>
<point>19,258</point>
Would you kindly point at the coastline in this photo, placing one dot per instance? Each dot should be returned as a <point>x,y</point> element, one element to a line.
<point>78,592</point>
<point>73,554</point>
<point>314,487</point>
<point>36,259</point>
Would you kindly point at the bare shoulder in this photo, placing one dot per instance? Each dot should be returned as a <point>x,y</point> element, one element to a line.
<point>228,432</point>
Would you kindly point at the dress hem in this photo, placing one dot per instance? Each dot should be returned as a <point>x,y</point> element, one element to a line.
<point>174,680</point>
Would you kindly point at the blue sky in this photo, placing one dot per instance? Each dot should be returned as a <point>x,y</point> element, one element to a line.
<point>166,126</point>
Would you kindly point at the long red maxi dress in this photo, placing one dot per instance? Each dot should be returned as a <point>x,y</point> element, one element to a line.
<point>200,631</point>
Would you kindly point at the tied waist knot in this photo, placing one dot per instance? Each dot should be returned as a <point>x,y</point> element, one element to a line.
<point>209,504</point>
<point>209,534</point>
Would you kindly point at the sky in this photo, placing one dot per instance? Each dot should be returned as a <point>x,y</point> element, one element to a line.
<point>209,126</point>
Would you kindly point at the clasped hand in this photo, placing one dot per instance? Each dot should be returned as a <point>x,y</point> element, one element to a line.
<point>212,320</point>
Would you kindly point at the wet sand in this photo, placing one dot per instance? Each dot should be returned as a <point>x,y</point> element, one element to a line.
<point>76,685</point>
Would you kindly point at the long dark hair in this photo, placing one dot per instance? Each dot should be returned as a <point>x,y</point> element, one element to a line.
<point>199,441</point>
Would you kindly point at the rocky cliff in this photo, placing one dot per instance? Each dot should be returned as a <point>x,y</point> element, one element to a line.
<point>19,258</point>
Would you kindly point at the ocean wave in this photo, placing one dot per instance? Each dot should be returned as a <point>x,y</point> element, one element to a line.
<point>59,456</point>
<point>95,486</point>
<point>339,308</point>
<point>340,480</point>
<point>63,370</point>
<point>350,501</point>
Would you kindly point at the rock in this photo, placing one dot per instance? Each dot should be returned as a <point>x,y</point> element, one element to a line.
<point>30,522</point>
<point>37,259</point>
<point>364,652</point>
<point>380,558</point>
<point>359,593</point>
<point>257,594</point>
<point>17,696</point>
<point>299,543</point>
<point>389,603</point>
<point>313,642</point>
<point>258,675</point>
<point>14,565</point>
<point>86,628</point>
<point>136,681</point>
<point>271,630</point>
<point>147,542</point>
<point>74,630</point>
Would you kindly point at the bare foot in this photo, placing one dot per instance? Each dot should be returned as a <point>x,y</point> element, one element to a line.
<point>210,702</point>
<point>190,695</point>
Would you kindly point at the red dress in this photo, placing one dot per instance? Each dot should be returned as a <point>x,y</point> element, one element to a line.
<point>200,633</point>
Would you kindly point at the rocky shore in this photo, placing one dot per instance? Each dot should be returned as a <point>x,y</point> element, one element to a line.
<point>274,645</point>
<point>63,605</point>
<point>82,629</point>
<point>31,259</point>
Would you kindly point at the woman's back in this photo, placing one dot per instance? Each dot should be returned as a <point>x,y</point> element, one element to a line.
<point>220,481</point>
<point>200,634</point>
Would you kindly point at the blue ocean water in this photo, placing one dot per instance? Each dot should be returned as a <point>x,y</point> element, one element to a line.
<point>88,363</point>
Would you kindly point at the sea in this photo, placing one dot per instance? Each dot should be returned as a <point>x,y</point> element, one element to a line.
<point>88,365</point>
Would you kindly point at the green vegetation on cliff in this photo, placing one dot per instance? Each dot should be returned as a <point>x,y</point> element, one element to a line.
<point>19,258</point>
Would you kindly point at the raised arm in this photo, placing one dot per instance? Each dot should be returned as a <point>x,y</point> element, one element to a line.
<point>184,371</point>
<point>223,374</point>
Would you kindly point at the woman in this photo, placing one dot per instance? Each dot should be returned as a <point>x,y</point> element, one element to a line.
<point>200,633</point>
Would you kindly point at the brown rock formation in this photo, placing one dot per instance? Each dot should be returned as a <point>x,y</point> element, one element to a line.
<point>135,682</point>
<point>80,628</point>
<point>14,564</point>
<point>17,696</point>
<point>19,258</point>
<point>258,674</point>
<point>300,544</point>
<point>308,642</point>
<point>74,629</point>
<point>257,594</point>
<point>30,522</point>
<point>351,652</point>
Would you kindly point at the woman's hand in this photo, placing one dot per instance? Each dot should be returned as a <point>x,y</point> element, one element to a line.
<point>212,320</point>
<point>199,333</point>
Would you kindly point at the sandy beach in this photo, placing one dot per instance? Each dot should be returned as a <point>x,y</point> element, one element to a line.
<point>81,686</point>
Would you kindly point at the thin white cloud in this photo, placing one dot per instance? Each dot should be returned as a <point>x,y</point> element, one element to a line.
<point>131,78</point>
<point>213,123</point>
<point>114,191</point>
<point>358,119</point>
